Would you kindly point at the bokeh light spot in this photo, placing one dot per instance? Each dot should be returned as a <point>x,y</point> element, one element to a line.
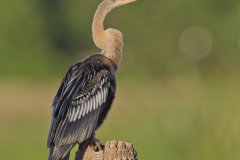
<point>195,42</point>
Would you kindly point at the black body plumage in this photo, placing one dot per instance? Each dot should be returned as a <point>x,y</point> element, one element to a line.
<point>81,104</point>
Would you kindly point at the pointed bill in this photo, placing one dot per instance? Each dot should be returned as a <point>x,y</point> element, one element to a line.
<point>130,1</point>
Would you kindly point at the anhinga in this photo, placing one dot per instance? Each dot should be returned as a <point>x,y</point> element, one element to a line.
<point>88,89</point>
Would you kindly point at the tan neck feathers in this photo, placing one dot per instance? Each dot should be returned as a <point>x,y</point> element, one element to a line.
<point>110,40</point>
<point>98,24</point>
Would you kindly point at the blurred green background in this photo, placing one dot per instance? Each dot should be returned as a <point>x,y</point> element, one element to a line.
<point>178,84</point>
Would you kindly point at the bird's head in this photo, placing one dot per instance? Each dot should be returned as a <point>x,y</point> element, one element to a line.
<point>116,3</point>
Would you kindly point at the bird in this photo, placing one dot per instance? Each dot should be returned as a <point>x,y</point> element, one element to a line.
<point>87,91</point>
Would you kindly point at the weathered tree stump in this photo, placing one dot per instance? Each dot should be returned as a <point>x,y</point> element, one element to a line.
<point>112,150</point>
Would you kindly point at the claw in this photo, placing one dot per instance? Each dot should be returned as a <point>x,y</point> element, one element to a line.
<point>95,144</point>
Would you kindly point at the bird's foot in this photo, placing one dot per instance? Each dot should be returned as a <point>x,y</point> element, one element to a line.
<point>95,144</point>
<point>97,147</point>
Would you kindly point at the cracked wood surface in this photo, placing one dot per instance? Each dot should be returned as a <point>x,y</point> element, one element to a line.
<point>112,150</point>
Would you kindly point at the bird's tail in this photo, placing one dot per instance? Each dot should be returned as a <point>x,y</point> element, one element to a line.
<point>60,153</point>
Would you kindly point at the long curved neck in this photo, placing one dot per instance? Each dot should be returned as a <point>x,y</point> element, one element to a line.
<point>110,41</point>
<point>98,24</point>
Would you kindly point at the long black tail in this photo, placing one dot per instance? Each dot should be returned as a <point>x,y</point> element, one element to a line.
<point>60,153</point>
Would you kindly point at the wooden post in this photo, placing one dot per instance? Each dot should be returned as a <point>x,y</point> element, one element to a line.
<point>112,150</point>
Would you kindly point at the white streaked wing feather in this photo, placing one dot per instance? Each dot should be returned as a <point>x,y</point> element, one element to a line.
<point>84,108</point>
<point>80,113</point>
<point>99,97</point>
<point>72,114</point>
<point>94,102</point>
<point>77,112</point>
<point>69,114</point>
<point>105,93</point>
<point>102,95</point>
<point>89,106</point>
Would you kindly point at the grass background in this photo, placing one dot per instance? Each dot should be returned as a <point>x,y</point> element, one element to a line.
<point>177,87</point>
<point>173,118</point>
